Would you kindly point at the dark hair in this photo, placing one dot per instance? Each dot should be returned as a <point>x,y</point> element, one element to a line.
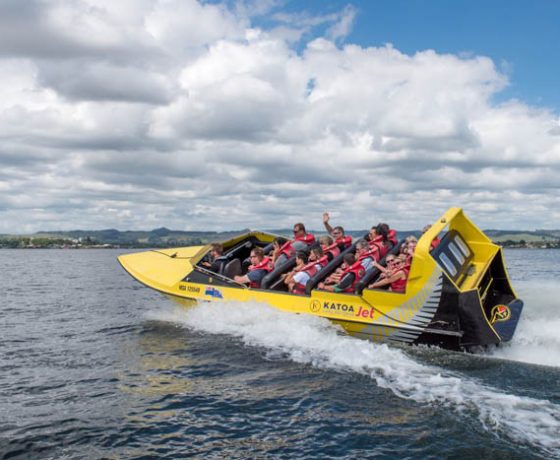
<point>339,228</point>
<point>317,249</point>
<point>302,255</point>
<point>280,240</point>
<point>218,247</point>
<point>349,258</point>
<point>300,226</point>
<point>383,230</point>
<point>258,252</point>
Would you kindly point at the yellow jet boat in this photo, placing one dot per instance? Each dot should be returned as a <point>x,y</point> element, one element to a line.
<point>458,295</point>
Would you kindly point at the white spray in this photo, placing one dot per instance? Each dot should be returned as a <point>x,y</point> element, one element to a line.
<point>313,340</point>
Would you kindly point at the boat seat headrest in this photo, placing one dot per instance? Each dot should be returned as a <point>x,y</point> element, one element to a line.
<point>232,268</point>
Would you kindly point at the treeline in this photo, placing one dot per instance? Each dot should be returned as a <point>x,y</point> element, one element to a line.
<point>530,244</point>
<point>14,242</point>
<point>158,238</point>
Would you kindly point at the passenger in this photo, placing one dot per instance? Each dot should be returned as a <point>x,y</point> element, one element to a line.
<point>435,242</point>
<point>389,260</point>
<point>366,255</point>
<point>372,234</point>
<point>379,238</point>
<point>408,247</point>
<point>406,262</point>
<point>304,274</point>
<point>280,251</point>
<point>395,277</point>
<point>216,258</point>
<point>301,261</point>
<point>330,248</point>
<point>301,241</point>
<point>349,277</point>
<point>347,261</point>
<point>337,233</point>
<point>411,248</point>
<point>260,266</point>
<point>316,255</point>
<point>277,244</point>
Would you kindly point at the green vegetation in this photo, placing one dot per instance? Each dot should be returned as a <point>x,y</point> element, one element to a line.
<point>524,239</point>
<point>111,238</point>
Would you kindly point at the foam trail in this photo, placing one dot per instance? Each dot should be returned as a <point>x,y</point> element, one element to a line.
<point>536,339</point>
<point>314,340</point>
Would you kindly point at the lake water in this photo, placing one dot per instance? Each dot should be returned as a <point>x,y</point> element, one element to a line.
<point>94,365</point>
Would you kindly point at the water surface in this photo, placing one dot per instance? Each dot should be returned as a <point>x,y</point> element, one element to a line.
<point>94,365</point>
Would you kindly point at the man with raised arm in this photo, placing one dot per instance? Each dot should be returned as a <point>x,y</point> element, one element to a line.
<point>337,233</point>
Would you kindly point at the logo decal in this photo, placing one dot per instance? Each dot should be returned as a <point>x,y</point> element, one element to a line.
<point>315,306</point>
<point>213,292</point>
<point>500,313</point>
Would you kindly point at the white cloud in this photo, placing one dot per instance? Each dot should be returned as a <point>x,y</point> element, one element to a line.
<point>138,114</point>
<point>344,25</point>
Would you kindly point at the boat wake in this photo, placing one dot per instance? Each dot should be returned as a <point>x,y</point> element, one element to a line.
<point>536,339</point>
<point>315,341</point>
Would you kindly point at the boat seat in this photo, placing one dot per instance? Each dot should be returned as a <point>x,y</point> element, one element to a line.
<point>232,268</point>
<point>269,279</point>
<point>268,249</point>
<point>278,285</point>
<point>222,261</point>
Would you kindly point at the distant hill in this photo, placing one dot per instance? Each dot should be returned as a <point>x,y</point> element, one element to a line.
<point>159,237</point>
<point>545,236</point>
<point>164,237</point>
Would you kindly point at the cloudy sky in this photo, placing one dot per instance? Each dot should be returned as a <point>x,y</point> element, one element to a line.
<point>137,114</point>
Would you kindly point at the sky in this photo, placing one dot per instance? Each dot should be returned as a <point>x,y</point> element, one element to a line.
<point>192,115</point>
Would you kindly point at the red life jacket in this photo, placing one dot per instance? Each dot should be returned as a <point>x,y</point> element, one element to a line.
<point>265,264</point>
<point>392,235</point>
<point>373,254</point>
<point>406,266</point>
<point>308,238</point>
<point>288,249</point>
<point>310,269</point>
<point>400,284</point>
<point>345,241</point>
<point>358,272</point>
<point>434,243</point>
<point>333,249</point>
<point>323,261</point>
<point>381,246</point>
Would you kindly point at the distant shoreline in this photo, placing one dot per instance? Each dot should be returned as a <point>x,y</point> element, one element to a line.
<point>165,238</point>
<point>147,248</point>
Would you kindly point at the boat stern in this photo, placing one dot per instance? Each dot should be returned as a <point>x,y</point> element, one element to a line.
<point>477,282</point>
